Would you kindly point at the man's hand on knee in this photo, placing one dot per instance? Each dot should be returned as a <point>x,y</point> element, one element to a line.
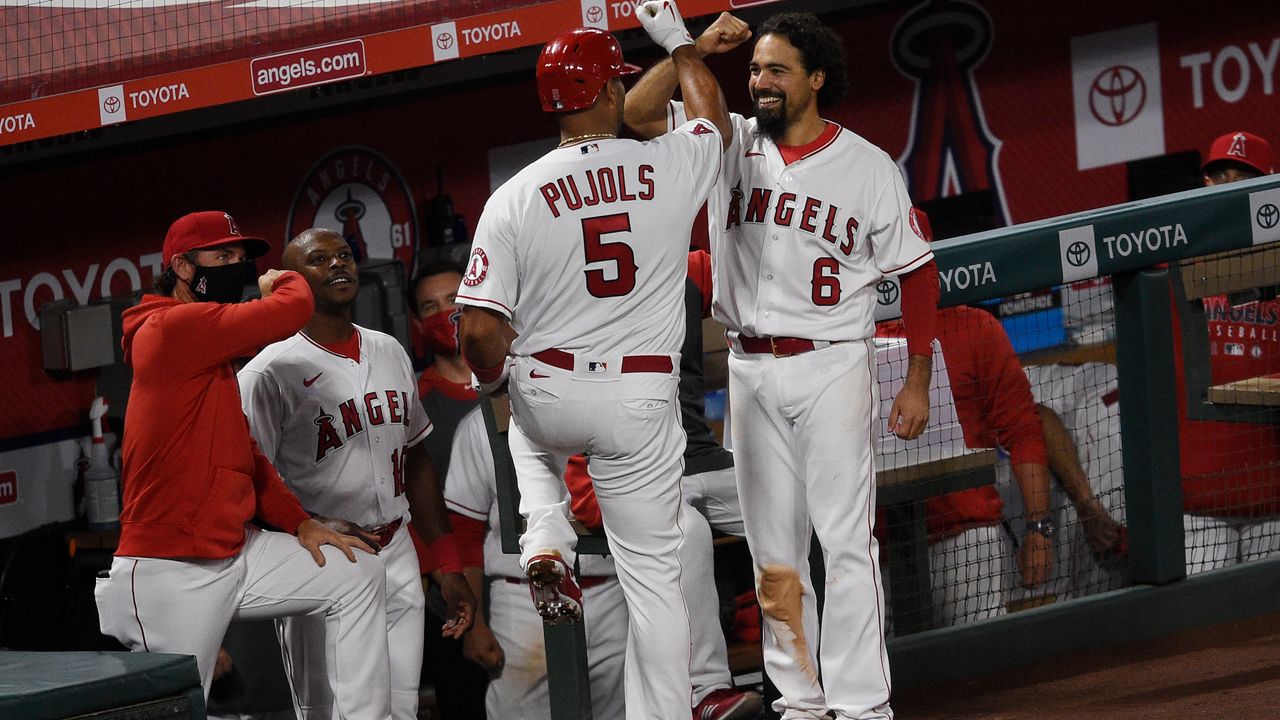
<point>312,534</point>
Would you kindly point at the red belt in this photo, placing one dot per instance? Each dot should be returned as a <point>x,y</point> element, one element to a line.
<point>384,533</point>
<point>630,363</point>
<point>777,346</point>
<point>584,583</point>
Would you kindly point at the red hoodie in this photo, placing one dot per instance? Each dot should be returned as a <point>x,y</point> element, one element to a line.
<point>192,474</point>
<point>994,405</point>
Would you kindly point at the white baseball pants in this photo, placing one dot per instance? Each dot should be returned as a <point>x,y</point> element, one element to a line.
<point>184,607</point>
<point>1213,542</point>
<point>302,640</point>
<point>965,571</point>
<point>803,439</point>
<point>710,501</point>
<point>520,692</point>
<point>629,426</point>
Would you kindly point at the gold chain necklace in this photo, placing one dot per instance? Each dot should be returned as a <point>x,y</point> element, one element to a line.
<point>588,136</point>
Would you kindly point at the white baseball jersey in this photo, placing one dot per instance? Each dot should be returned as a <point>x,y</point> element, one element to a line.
<point>798,249</point>
<point>590,233</point>
<point>470,490</point>
<point>337,429</point>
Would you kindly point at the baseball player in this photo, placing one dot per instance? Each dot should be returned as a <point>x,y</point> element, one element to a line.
<point>335,408</point>
<point>445,385</point>
<point>1231,497</point>
<point>445,389</point>
<point>509,645</point>
<point>710,494</point>
<point>806,218</point>
<point>583,252</point>
<point>710,500</point>
<point>1080,417</point>
<point>188,562</point>
<point>995,408</point>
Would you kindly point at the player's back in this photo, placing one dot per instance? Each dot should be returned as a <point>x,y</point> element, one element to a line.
<point>598,234</point>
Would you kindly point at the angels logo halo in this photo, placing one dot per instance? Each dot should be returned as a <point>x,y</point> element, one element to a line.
<point>358,192</point>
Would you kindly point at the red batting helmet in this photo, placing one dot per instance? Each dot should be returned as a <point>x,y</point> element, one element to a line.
<point>575,66</point>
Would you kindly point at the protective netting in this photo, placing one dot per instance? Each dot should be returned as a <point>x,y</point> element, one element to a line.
<point>63,45</point>
<point>1226,320</point>
<point>1037,374</point>
<point>1008,380</point>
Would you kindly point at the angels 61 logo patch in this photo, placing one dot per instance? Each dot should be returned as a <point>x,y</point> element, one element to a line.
<point>359,193</point>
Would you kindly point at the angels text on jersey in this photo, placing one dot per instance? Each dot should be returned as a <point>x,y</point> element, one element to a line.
<point>336,426</point>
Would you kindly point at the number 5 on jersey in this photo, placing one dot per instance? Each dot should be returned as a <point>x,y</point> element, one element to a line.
<point>619,252</point>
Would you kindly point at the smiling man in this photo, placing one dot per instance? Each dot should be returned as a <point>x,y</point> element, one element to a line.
<point>806,218</point>
<point>335,408</point>
<point>189,560</point>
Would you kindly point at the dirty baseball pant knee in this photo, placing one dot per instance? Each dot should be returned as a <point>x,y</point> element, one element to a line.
<point>520,691</point>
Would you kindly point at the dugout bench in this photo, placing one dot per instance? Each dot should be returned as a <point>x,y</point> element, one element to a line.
<point>100,685</point>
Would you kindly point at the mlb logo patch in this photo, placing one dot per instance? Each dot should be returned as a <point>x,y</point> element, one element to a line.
<point>589,148</point>
<point>1235,349</point>
<point>597,367</point>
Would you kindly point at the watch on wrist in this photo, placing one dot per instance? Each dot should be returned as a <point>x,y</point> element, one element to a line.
<point>1044,526</point>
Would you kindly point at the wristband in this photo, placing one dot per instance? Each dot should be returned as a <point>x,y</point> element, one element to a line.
<point>489,374</point>
<point>442,555</point>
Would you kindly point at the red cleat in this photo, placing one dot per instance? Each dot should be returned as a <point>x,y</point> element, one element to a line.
<point>555,594</point>
<point>729,704</point>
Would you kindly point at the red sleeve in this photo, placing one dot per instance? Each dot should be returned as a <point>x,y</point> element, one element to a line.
<point>582,494</point>
<point>700,274</point>
<point>274,502</point>
<point>440,554</point>
<point>920,308</point>
<point>220,332</point>
<point>1011,408</point>
<point>469,537</point>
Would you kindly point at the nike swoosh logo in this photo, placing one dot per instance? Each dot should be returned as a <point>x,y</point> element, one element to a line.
<point>537,375</point>
<point>309,383</point>
<point>752,154</point>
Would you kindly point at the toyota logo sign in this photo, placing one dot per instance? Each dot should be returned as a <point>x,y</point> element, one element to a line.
<point>1117,95</point>
<point>1268,215</point>
<point>888,291</point>
<point>1078,253</point>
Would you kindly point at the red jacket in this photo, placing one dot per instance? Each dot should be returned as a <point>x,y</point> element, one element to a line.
<point>995,407</point>
<point>1230,469</point>
<point>192,474</point>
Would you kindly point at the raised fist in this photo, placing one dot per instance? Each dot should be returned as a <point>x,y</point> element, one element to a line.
<point>661,19</point>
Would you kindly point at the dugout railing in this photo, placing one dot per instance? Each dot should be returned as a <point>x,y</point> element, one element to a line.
<point>1163,256</point>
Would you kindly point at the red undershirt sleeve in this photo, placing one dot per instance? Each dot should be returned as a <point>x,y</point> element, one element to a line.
<point>469,535</point>
<point>700,274</point>
<point>920,308</point>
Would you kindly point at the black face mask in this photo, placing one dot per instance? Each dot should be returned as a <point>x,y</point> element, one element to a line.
<point>218,283</point>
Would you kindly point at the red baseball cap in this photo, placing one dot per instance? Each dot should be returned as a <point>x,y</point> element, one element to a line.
<point>1242,147</point>
<point>206,229</point>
